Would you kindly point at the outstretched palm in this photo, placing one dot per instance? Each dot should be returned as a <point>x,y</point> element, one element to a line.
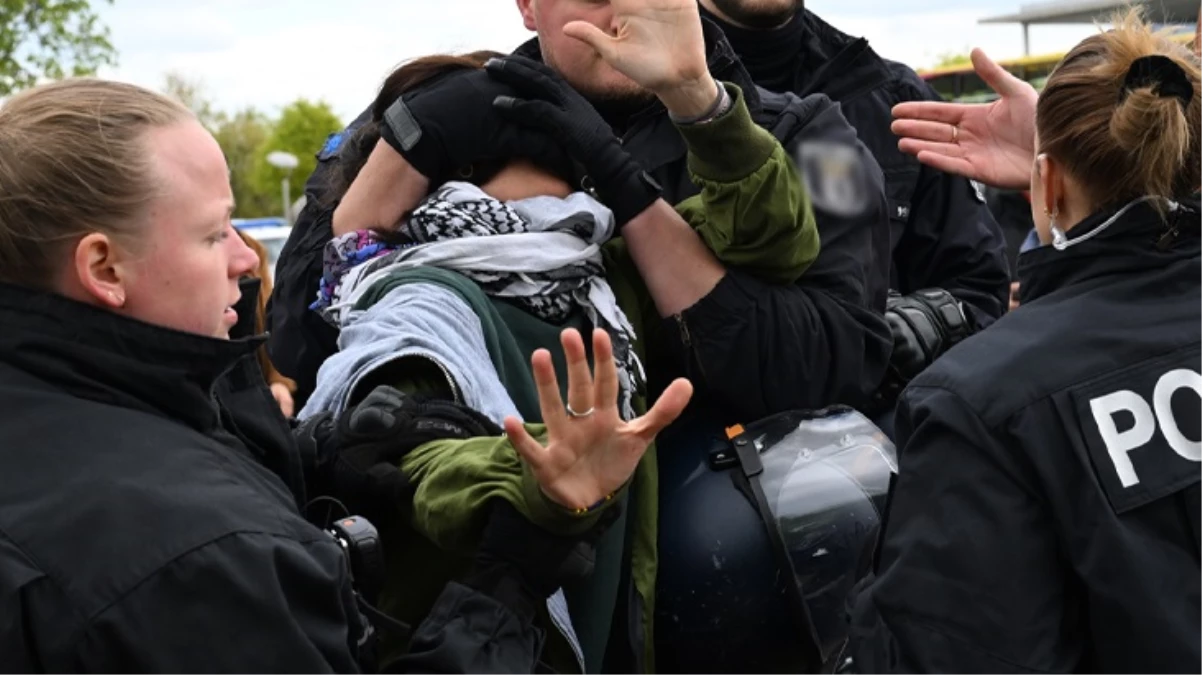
<point>658,43</point>
<point>590,451</point>
<point>992,142</point>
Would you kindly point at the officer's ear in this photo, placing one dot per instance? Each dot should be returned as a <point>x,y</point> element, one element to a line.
<point>1050,175</point>
<point>526,7</point>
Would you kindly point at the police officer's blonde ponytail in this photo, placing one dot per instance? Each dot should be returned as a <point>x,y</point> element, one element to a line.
<point>74,159</point>
<point>1122,112</point>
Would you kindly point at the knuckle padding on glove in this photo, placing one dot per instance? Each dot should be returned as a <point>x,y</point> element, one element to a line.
<point>926,324</point>
<point>375,436</point>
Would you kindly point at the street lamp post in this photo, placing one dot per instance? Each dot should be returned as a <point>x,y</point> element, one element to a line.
<point>286,161</point>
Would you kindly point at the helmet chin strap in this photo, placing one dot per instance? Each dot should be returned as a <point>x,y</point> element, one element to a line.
<point>1060,240</point>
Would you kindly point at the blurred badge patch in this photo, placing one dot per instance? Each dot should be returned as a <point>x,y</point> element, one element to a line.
<point>834,174</point>
<point>978,190</point>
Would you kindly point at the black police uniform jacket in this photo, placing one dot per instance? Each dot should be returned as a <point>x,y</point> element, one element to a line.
<point>943,235</point>
<point>149,517</point>
<point>139,530</point>
<point>1045,517</point>
<point>751,348</point>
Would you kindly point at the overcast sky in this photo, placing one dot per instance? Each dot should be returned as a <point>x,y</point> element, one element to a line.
<point>266,53</point>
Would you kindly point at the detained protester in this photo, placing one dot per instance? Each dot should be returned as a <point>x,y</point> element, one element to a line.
<point>1045,515</point>
<point>494,266</point>
<point>749,346</point>
<point>947,273</point>
<point>150,489</point>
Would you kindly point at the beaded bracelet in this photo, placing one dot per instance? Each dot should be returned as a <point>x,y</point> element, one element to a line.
<point>600,502</point>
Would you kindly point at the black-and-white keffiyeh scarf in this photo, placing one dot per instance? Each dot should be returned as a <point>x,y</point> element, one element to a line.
<point>542,253</point>
<point>442,217</point>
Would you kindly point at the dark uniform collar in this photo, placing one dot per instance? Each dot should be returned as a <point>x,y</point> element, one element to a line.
<point>1140,239</point>
<point>772,56</point>
<point>724,65</point>
<point>98,355</point>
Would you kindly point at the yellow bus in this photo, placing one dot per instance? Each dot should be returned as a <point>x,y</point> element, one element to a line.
<point>961,83</point>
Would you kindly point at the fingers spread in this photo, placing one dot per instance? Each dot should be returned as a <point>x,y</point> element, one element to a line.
<point>913,146</point>
<point>939,132</point>
<point>592,36</point>
<point>549,400</point>
<point>526,445</point>
<point>994,75</point>
<point>605,370</point>
<point>949,164</point>
<point>522,76</point>
<point>580,380</point>
<point>665,411</point>
<point>931,111</point>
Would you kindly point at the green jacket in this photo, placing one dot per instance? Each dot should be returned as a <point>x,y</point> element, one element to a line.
<point>754,214</point>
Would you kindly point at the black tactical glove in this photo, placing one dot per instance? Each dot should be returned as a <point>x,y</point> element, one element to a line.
<point>370,440</point>
<point>550,104</point>
<point>925,324</point>
<point>521,564</point>
<point>447,125</point>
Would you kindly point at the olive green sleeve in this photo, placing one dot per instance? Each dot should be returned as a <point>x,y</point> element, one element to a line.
<point>456,479</point>
<point>753,210</point>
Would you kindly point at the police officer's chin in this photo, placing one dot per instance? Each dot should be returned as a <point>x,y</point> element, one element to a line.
<point>616,97</point>
<point>757,14</point>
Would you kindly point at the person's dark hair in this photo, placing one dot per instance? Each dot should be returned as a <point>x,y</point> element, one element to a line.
<point>356,149</point>
<point>1122,112</point>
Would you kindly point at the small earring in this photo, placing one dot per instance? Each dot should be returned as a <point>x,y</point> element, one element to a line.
<point>1059,238</point>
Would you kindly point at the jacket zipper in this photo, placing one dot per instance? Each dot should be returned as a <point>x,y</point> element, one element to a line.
<point>687,340</point>
<point>450,381</point>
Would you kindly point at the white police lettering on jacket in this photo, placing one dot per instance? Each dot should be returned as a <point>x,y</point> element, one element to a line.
<point>1141,426</point>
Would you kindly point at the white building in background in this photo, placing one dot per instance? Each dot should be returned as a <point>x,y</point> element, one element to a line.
<point>1095,11</point>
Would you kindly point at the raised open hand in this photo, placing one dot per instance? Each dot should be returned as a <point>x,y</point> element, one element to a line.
<point>658,43</point>
<point>990,142</point>
<point>591,452</point>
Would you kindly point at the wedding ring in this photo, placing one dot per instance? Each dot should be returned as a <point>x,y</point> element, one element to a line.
<point>586,413</point>
<point>955,133</point>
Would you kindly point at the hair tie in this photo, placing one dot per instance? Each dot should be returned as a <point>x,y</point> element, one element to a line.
<point>1165,76</point>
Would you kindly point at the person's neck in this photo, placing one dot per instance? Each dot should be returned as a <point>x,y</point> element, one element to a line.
<point>772,56</point>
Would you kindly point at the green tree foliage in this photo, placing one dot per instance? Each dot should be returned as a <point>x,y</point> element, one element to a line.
<point>247,136</point>
<point>242,137</point>
<point>948,59</point>
<point>192,94</point>
<point>50,39</point>
<point>301,129</point>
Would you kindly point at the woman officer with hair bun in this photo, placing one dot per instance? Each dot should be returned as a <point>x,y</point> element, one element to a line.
<point>1045,515</point>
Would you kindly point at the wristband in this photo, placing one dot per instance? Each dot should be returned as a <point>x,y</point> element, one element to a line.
<point>721,105</point>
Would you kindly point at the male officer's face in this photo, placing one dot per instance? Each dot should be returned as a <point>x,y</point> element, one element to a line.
<point>577,62</point>
<point>762,14</point>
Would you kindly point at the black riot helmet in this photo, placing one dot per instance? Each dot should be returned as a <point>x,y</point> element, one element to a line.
<point>763,531</point>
